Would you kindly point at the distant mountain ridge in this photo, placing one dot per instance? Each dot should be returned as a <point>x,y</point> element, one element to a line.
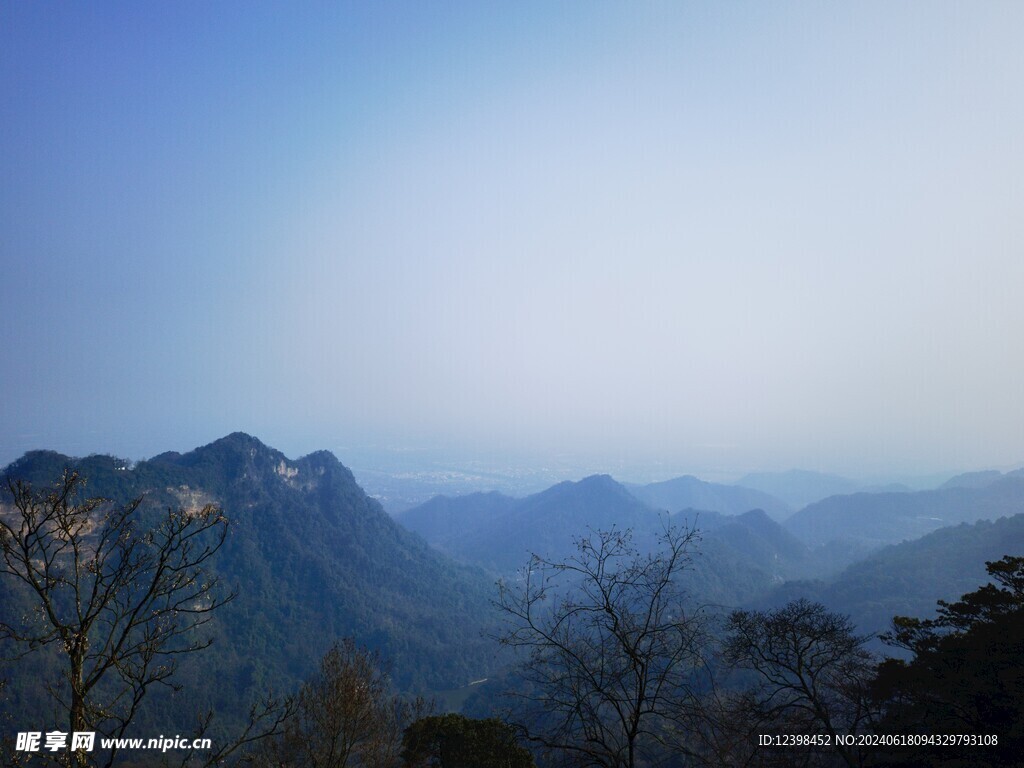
<point>692,492</point>
<point>982,479</point>
<point>878,519</point>
<point>500,533</point>
<point>465,526</point>
<point>737,557</point>
<point>799,487</point>
<point>445,518</point>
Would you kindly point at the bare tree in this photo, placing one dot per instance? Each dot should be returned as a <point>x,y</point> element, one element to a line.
<point>612,652</point>
<point>344,716</point>
<point>119,600</point>
<point>812,673</point>
<point>267,717</point>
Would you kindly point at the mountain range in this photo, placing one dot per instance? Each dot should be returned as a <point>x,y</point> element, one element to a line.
<point>873,520</point>
<point>693,493</point>
<point>799,487</point>
<point>499,533</point>
<point>314,559</point>
<point>739,555</point>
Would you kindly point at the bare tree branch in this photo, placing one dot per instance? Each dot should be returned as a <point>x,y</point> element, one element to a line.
<point>120,603</point>
<point>812,672</point>
<point>611,649</point>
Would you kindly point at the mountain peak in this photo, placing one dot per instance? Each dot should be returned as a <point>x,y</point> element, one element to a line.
<point>321,458</point>
<point>688,492</point>
<point>595,488</point>
<point>599,481</point>
<point>756,517</point>
<point>237,453</point>
<point>239,440</point>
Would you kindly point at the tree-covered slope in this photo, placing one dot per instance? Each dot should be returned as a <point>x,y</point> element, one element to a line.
<point>737,557</point>
<point>906,579</point>
<point>500,533</point>
<point>312,559</point>
<point>446,519</point>
<point>759,540</point>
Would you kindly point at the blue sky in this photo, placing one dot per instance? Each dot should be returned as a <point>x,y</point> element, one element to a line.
<point>723,236</point>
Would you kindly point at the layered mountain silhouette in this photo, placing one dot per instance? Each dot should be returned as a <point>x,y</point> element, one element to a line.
<point>799,487</point>
<point>873,520</point>
<point>689,492</point>
<point>736,558</point>
<point>982,479</point>
<point>500,533</point>
<point>313,558</point>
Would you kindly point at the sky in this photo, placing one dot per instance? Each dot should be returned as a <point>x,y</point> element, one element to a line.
<point>719,236</point>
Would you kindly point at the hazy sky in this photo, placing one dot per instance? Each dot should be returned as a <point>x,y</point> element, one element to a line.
<point>724,235</point>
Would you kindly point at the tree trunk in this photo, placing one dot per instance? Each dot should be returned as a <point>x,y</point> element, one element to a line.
<point>78,758</point>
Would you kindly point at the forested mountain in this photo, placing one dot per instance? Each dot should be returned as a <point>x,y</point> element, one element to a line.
<point>740,558</point>
<point>906,579</point>
<point>763,542</point>
<point>872,520</point>
<point>499,532</point>
<point>312,559</point>
<point>546,523</point>
<point>737,558</point>
<point>689,492</point>
<point>445,519</point>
